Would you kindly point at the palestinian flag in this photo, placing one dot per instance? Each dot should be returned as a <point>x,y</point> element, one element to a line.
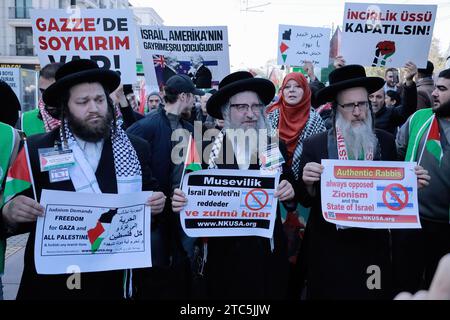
<point>193,162</point>
<point>100,231</point>
<point>433,144</point>
<point>19,176</point>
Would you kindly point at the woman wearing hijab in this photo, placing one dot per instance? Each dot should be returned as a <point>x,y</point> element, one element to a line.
<point>296,120</point>
<point>294,117</point>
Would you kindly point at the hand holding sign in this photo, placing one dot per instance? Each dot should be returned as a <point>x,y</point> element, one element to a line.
<point>179,200</point>
<point>312,172</point>
<point>423,178</point>
<point>410,72</point>
<point>156,202</point>
<point>339,62</point>
<point>284,191</point>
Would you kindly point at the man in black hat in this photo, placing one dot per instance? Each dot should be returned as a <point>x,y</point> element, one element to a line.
<point>157,128</point>
<point>243,267</point>
<point>335,261</point>
<point>106,160</point>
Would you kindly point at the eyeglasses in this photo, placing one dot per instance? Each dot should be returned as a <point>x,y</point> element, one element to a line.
<point>350,107</point>
<point>244,107</point>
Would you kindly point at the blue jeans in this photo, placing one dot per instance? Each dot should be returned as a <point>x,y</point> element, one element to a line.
<point>1,289</point>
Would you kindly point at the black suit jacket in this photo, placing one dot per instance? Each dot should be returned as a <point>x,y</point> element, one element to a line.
<point>94,285</point>
<point>334,262</point>
<point>247,267</point>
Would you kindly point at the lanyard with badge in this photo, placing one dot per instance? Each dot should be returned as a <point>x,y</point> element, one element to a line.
<point>56,161</point>
<point>271,159</point>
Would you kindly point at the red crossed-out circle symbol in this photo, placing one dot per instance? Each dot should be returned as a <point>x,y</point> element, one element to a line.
<point>389,189</point>
<point>253,195</point>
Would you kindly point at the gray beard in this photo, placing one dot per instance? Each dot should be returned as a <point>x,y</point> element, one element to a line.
<point>357,139</point>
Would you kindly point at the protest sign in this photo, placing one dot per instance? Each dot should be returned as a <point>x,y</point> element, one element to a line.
<point>367,194</point>
<point>12,77</point>
<point>95,232</point>
<point>299,44</point>
<point>105,36</point>
<point>224,203</point>
<point>168,50</point>
<point>387,35</point>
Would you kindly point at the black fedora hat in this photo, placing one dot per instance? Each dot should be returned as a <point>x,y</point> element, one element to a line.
<point>238,82</point>
<point>76,72</point>
<point>9,110</point>
<point>350,76</point>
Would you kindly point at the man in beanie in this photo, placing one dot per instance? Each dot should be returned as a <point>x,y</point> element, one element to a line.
<point>244,267</point>
<point>335,259</point>
<point>106,161</point>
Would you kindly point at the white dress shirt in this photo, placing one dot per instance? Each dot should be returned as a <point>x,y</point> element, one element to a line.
<point>92,151</point>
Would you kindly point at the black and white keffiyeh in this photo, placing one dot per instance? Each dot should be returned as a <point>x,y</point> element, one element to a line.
<point>314,125</point>
<point>215,150</point>
<point>126,162</point>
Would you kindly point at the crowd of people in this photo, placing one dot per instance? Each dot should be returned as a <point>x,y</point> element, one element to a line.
<point>120,149</point>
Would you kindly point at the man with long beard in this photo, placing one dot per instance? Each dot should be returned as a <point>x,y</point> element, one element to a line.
<point>425,138</point>
<point>334,260</point>
<point>106,160</point>
<point>243,267</point>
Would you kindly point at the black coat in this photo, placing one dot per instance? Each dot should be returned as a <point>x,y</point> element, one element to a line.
<point>334,262</point>
<point>203,77</point>
<point>94,285</point>
<point>389,118</point>
<point>246,267</point>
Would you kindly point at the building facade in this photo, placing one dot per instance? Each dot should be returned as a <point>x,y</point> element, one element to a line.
<point>16,35</point>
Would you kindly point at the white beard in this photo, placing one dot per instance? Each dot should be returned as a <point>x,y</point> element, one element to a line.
<point>357,139</point>
<point>246,142</point>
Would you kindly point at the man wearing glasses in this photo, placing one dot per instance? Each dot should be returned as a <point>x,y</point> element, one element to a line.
<point>243,267</point>
<point>335,259</point>
<point>42,119</point>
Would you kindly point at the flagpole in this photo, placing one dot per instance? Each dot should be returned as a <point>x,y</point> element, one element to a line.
<point>425,142</point>
<point>29,167</point>
<point>185,160</point>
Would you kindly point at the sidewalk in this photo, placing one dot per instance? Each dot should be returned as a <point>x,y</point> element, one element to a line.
<point>15,249</point>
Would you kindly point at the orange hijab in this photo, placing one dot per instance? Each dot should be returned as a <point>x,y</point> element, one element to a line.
<point>293,118</point>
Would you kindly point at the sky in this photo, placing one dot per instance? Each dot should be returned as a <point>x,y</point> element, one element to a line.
<point>253,33</point>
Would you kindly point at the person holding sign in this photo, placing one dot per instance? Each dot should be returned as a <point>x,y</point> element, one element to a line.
<point>295,119</point>
<point>425,138</point>
<point>346,263</point>
<point>94,155</point>
<point>244,267</point>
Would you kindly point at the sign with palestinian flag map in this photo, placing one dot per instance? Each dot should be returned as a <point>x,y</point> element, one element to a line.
<point>95,232</point>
